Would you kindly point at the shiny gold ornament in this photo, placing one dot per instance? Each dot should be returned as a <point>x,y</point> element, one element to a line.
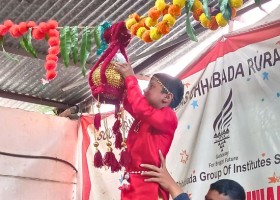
<point>112,90</point>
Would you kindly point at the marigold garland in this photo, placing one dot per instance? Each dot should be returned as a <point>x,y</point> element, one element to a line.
<point>167,13</point>
<point>218,19</point>
<point>157,28</point>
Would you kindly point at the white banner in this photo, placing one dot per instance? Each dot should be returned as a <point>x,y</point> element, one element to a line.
<point>229,121</point>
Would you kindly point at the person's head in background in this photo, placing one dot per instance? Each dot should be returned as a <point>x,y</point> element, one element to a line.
<point>164,90</point>
<point>225,189</point>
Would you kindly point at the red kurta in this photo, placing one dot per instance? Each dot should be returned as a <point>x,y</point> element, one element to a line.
<point>152,130</point>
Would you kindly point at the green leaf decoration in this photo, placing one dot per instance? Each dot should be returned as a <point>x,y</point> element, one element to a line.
<point>258,2</point>
<point>205,9</point>
<point>189,5</point>
<point>74,44</point>
<point>96,37</point>
<point>189,28</point>
<point>25,43</point>
<point>65,44</point>
<point>1,40</point>
<point>85,48</point>
<point>225,9</point>
<point>4,51</point>
<point>47,37</point>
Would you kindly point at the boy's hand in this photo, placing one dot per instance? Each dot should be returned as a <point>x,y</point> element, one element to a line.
<point>124,69</point>
<point>161,176</point>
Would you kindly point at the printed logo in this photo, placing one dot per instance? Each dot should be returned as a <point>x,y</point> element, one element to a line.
<point>222,123</point>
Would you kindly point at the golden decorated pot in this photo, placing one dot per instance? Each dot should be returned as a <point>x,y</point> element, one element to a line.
<point>109,87</point>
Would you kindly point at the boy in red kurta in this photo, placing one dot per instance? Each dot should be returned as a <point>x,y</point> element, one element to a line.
<point>152,130</point>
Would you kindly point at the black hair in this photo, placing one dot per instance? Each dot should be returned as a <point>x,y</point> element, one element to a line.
<point>229,188</point>
<point>172,85</point>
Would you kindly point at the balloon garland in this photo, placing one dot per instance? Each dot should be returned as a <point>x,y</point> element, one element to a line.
<point>26,30</point>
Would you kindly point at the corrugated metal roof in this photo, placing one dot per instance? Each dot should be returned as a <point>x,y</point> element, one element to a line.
<point>24,77</point>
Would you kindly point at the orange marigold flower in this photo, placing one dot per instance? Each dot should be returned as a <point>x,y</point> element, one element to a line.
<point>8,23</point>
<point>197,13</point>
<point>212,23</point>
<point>53,33</point>
<point>53,41</point>
<point>52,24</point>
<point>50,75</point>
<point>31,24</point>
<point>154,13</point>
<point>50,65</point>
<point>165,11</point>
<point>163,28</point>
<point>43,27</point>
<point>54,50</point>
<point>135,16</point>
<point>174,10</point>
<point>146,36</point>
<point>134,28</point>
<point>14,31</point>
<point>233,13</point>
<point>52,57</point>
<point>22,27</point>
<point>37,34</point>
<point>3,29</point>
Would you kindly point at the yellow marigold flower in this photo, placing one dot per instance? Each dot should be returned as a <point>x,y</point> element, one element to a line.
<point>150,22</point>
<point>160,5</point>
<point>203,20</point>
<point>154,34</point>
<point>180,3</point>
<point>130,22</point>
<point>169,19</point>
<point>196,5</point>
<point>140,32</point>
<point>221,21</point>
<point>235,3</point>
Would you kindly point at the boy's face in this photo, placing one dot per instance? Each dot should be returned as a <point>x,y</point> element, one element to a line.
<point>154,95</point>
<point>215,195</point>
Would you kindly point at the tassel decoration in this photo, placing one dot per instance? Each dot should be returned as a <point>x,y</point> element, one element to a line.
<point>97,160</point>
<point>97,117</point>
<point>125,158</point>
<point>118,141</point>
<point>97,121</point>
<point>117,125</point>
<point>110,159</point>
<point>117,133</point>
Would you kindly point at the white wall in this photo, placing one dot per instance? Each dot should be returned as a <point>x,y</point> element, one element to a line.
<point>29,133</point>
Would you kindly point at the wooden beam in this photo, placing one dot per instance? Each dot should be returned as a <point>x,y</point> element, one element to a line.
<point>35,100</point>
